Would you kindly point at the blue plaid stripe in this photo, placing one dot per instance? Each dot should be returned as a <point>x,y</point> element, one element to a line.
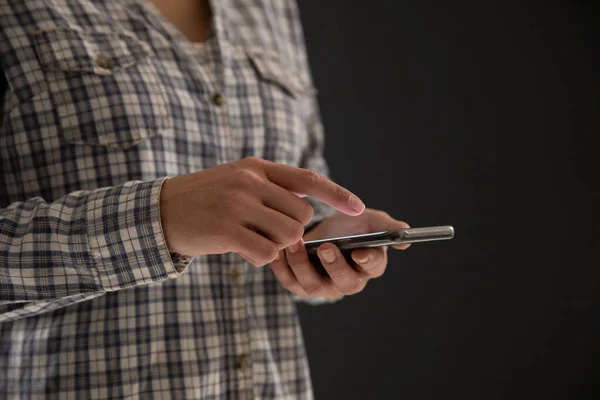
<point>104,99</point>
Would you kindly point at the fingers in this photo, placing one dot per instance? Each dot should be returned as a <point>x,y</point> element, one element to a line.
<point>307,276</point>
<point>288,280</point>
<point>311,281</point>
<point>282,200</point>
<point>372,262</point>
<point>278,227</point>
<point>285,275</point>
<point>299,276</point>
<point>304,181</point>
<point>255,248</point>
<point>345,278</point>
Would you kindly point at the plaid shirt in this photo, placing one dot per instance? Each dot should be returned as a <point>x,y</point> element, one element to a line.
<point>101,100</point>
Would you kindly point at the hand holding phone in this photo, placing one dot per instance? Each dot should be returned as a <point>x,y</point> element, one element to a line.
<point>386,238</point>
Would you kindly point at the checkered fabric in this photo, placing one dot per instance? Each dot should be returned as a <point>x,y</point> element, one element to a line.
<point>101,100</point>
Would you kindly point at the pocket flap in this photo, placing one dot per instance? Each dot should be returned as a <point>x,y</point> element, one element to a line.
<point>271,68</point>
<point>93,51</point>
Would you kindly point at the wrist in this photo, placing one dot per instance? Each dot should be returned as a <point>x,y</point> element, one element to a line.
<point>165,216</point>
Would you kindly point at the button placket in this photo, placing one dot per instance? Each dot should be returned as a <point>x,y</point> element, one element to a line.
<point>242,339</point>
<point>225,133</point>
<point>215,93</point>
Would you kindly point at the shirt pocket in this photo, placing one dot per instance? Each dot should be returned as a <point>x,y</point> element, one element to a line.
<point>105,90</point>
<point>272,68</point>
<point>287,96</point>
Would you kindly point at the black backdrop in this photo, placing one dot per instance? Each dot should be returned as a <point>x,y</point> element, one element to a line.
<point>479,114</point>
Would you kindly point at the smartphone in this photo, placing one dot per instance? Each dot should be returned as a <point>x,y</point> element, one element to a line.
<point>376,239</point>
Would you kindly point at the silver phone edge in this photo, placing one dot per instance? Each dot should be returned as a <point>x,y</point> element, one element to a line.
<point>406,236</point>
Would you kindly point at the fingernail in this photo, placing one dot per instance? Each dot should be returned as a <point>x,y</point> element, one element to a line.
<point>363,259</point>
<point>328,255</point>
<point>356,204</point>
<point>293,248</point>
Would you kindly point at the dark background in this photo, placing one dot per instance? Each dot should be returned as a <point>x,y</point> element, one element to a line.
<point>483,115</point>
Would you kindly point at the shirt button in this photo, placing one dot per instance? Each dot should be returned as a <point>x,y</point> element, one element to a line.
<point>217,99</point>
<point>102,61</point>
<point>242,362</point>
<point>234,275</point>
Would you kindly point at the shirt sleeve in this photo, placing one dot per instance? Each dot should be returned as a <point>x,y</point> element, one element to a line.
<point>313,157</point>
<point>314,160</point>
<point>81,246</point>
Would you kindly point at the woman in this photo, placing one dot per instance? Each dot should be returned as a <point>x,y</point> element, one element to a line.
<point>118,282</point>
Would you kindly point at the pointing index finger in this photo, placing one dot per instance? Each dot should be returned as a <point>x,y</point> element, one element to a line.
<point>311,183</point>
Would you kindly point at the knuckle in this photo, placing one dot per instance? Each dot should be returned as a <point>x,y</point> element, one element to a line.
<point>253,162</point>
<point>287,282</point>
<point>313,289</point>
<point>296,230</point>
<point>340,192</point>
<point>253,181</point>
<point>270,253</point>
<point>312,177</point>
<point>352,287</point>
<point>249,259</point>
<point>260,262</point>
<point>374,272</point>
<point>230,167</point>
<point>307,212</point>
<point>289,286</point>
<point>249,160</point>
<point>384,214</point>
<point>301,267</point>
<point>336,273</point>
<point>332,293</point>
<point>246,177</point>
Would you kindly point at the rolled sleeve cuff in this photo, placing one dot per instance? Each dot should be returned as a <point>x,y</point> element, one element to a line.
<point>126,237</point>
